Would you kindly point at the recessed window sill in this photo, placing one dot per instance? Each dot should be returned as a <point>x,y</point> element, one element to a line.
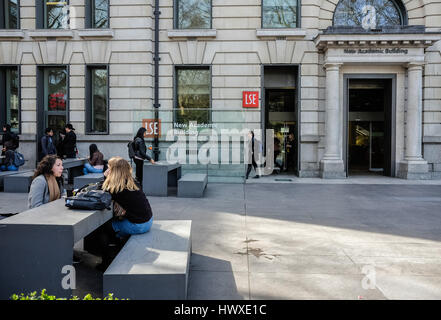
<point>192,33</point>
<point>96,33</point>
<point>51,33</point>
<point>8,34</point>
<point>272,33</point>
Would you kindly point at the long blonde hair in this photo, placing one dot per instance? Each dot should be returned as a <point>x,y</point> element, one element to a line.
<point>120,176</point>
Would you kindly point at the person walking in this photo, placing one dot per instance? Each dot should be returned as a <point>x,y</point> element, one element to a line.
<point>132,211</point>
<point>253,142</point>
<point>47,185</point>
<point>47,143</point>
<point>140,154</point>
<point>95,162</point>
<point>70,142</point>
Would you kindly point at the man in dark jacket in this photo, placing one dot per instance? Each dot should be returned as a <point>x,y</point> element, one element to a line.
<point>70,142</point>
<point>141,154</point>
<point>47,143</point>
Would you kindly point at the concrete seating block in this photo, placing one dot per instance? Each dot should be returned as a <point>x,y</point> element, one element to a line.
<point>192,185</point>
<point>81,181</point>
<point>153,265</point>
<point>18,183</point>
<point>4,174</point>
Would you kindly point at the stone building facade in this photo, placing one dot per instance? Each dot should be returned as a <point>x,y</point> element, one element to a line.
<point>316,76</point>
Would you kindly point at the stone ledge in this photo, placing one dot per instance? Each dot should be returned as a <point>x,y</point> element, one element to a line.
<point>310,139</point>
<point>105,138</point>
<point>96,33</point>
<point>9,34</point>
<point>431,139</point>
<point>192,33</point>
<point>272,33</point>
<point>48,33</point>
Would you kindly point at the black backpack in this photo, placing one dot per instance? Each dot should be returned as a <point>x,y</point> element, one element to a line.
<point>131,149</point>
<point>90,197</point>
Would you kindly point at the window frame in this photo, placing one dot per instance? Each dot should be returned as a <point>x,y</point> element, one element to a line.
<point>176,92</point>
<point>3,113</point>
<point>89,100</point>
<point>401,8</point>
<point>176,16</point>
<point>3,16</point>
<point>89,19</point>
<point>40,16</point>
<point>298,17</point>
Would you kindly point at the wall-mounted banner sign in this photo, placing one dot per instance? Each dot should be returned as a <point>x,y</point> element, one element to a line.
<point>250,99</point>
<point>153,128</point>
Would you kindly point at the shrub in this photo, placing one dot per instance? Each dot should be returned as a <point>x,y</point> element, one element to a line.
<point>44,296</point>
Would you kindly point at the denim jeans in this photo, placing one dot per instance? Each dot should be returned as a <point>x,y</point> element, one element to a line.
<point>89,169</point>
<point>124,228</point>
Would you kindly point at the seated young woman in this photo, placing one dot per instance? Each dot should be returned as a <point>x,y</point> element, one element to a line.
<point>95,162</point>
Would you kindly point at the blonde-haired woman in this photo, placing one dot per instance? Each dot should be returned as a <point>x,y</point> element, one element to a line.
<point>130,202</point>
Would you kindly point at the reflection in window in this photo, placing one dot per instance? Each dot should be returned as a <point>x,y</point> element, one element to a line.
<point>98,108</point>
<point>55,104</point>
<point>100,14</point>
<point>12,99</point>
<point>10,14</point>
<point>57,14</point>
<point>193,95</point>
<point>279,13</point>
<point>194,14</point>
<point>367,13</point>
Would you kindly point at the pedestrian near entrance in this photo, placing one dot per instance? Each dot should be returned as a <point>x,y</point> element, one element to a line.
<point>140,154</point>
<point>47,185</point>
<point>95,162</point>
<point>253,143</point>
<point>47,143</point>
<point>132,211</point>
<point>70,142</point>
<point>10,144</point>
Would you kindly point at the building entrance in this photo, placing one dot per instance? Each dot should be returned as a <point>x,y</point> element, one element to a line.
<point>369,126</point>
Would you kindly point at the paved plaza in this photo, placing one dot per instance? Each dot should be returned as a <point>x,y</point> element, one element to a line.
<point>288,240</point>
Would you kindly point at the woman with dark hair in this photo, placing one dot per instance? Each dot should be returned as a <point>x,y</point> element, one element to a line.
<point>47,185</point>
<point>140,154</point>
<point>9,143</point>
<point>96,161</point>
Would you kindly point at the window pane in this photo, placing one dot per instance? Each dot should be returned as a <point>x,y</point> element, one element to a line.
<point>194,14</point>
<point>99,100</point>
<point>353,12</point>
<point>11,14</point>
<point>279,14</point>
<point>12,102</point>
<point>56,89</point>
<point>57,14</point>
<point>100,14</point>
<point>193,96</point>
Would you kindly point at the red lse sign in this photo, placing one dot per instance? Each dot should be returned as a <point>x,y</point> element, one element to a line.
<point>153,128</point>
<point>250,99</point>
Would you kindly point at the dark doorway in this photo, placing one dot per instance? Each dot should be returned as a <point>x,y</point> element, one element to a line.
<point>281,116</point>
<point>369,135</point>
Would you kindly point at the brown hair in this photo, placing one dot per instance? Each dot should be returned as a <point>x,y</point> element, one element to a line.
<point>45,166</point>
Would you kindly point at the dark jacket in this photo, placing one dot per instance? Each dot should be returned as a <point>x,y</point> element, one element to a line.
<point>69,144</point>
<point>141,149</point>
<point>47,146</point>
<point>135,203</point>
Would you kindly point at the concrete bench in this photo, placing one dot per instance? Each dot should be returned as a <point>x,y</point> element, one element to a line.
<point>81,181</point>
<point>4,174</point>
<point>154,265</point>
<point>18,183</point>
<point>192,185</point>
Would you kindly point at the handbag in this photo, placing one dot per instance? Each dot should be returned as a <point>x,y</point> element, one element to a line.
<point>118,211</point>
<point>90,200</point>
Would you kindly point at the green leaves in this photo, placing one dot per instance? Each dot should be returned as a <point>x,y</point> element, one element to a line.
<point>44,296</point>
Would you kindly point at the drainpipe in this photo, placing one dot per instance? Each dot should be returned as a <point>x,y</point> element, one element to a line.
<point>156,59</point>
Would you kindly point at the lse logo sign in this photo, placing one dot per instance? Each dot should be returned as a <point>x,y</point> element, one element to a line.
<point>250,99</point>
<point>153,128</point>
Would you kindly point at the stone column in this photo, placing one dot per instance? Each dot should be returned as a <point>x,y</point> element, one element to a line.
<point>331,166</point>
<point>414,166</point>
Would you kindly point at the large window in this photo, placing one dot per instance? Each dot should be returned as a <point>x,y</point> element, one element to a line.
<point>97,104</point>
<point>10,98</point>
<point>97,14</point>
<point>193,14</point>
<point>55,97</point>
<point>279,14</point>
<point>193,87</point>
<point>9,14</point>
<point>369,14</point>
<point>56,14</point>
